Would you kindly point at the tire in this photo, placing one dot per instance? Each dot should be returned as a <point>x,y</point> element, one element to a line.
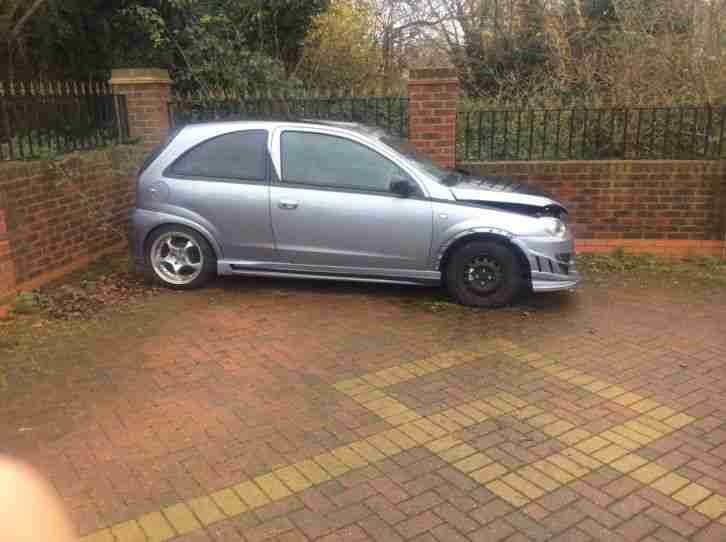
<point>179,258</point>
<point>485,274</point>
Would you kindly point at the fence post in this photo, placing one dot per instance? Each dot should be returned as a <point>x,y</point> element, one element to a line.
<point>148,92</point>
<point>432,103</point>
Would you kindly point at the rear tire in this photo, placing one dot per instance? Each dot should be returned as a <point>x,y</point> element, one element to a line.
<point>180,258</point>
<point>485,274</point>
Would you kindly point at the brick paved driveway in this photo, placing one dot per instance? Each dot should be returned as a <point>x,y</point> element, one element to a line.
<point>296,411</point>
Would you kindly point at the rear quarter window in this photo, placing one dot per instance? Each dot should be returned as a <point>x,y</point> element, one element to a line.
<point>237,155</point>
<point>156,151</point>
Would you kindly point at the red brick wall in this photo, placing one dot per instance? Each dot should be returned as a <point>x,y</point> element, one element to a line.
<point>54,219</point>
<point>630,200</point>
<point>432,102</point>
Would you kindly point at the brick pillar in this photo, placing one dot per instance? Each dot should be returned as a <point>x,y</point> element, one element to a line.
<point>148,91</point>
<point>432,102</point>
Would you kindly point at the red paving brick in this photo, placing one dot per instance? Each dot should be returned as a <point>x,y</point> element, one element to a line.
<point>196,392</point>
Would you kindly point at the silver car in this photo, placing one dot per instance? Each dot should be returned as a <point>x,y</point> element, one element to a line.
<point>325,200</point>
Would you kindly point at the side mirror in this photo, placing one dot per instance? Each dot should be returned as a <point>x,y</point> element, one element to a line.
<point>402,187</point>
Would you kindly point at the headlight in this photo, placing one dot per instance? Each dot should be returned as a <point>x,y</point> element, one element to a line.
<point>554,226</point>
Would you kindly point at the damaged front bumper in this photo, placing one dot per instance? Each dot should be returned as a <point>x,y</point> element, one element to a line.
<point>551,261</point>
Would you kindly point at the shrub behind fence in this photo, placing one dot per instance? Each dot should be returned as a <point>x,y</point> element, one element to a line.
<point>663,133</point>
<point>387,112</point>
<point>46,118</point>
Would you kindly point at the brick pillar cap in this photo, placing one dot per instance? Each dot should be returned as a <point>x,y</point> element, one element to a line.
<point>140,76</point>
<point>433,73</point>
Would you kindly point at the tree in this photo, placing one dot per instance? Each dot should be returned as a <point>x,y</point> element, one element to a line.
<point>14,16</point>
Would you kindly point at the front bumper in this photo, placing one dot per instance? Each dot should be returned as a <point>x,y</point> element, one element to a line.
<point>551,261</point>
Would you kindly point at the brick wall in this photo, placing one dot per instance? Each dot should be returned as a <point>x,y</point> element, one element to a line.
<point>631,203</point>
<point>59,216</point>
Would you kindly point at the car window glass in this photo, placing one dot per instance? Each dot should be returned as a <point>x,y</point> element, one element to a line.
<point>336,162</point>
<point>239,155</point>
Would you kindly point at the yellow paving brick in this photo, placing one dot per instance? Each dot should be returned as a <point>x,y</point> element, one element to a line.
<point>367,452</point>
<point>611,392</point>
<point>654,424</point>
<point>554,368</point>
<point>251,495</point>
<point>628,463</point>
<point>446,423</point>
<point>430,427</point>
<point>373,395</point>
<point>312,471</point>
<point>513,400</point>
<point>418,435</point>
<point>525,487</point>
<point>592,444</point>
<point>458,417</point>
<point>692,494</point>
<point>473,413</point>
<point>646,405</point>
<point>384,445</point>
<point>181,518</point>
<point>349,384</point>
<point>506,492</point>
<point>293,478</point>
<point>538,477</point>
<point>661,413</point>
<point>404,417</point>
<point>679,420</point>
<point>128,531</point>
<point>557,428</point>
<point>442,444</point>
<point>610,453</point>
<point>349,457</point>
<point>527,412</point>
<point>414,369</point>
<point>575,469</point>
<point>575,436</point>
<point>488,473</point>
<point>205,509</point>
<point>670,483</point>
<point>643,429</point>
<point>553,471</point>
<point>628,399</point>
<point>272,486</point>
<point>583,459</point>
<point>457,453</point>
<point>713,507</point>
<point>569,374</point>
<point>542,420</point>
<point>376,380</point>
<point>99,536</point>
<point>360,390</point>
<point>385,408</point>
<point>582,380</point>
<point>596,386</point>
<point>228,502</point>
<point>473,462</point>
<point>486,408</point>
<point>331,464</point>
<point>426,366</point>
<point>632,436</point>
<point>541,362</point>
<point>501,404</point>
<point>648,473</point>
<point>400,439</point>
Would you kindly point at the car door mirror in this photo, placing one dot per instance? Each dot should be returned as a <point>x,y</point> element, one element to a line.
<point>402,187</point>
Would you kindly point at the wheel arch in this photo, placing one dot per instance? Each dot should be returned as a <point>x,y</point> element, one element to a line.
<point>491,236</point>
<point>201,231</point>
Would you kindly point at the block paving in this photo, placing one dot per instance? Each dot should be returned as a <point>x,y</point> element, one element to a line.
<point>350,413</point>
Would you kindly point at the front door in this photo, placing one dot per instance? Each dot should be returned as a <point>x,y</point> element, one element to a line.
<point>332,207</point>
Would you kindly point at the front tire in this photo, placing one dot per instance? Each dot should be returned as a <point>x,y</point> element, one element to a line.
<point>485,274</point>
<point>180,258</point>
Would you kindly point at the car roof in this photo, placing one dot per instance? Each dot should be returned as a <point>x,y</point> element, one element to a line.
<point>363,129</point>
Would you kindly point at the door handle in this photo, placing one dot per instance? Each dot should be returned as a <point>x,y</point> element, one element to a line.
<point>287,204</point>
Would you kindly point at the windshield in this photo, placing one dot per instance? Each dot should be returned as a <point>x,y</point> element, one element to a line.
<point>443,176</point>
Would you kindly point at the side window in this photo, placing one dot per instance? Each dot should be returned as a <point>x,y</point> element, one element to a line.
<point>336,162</point>
<point>238,155</point>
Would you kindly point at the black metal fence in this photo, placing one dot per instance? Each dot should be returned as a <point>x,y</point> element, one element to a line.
<point>42,119</point>
<point>387,112</point>
<point>660,133</point>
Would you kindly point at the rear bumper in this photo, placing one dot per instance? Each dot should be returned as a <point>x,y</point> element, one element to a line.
<point>551,261</point>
